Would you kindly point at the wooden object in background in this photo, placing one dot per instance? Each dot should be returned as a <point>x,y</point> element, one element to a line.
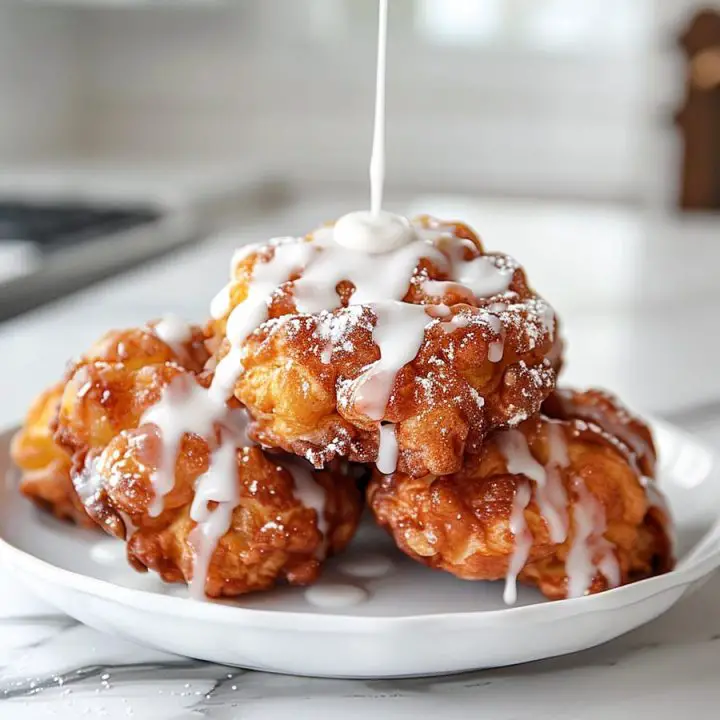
<point>699,118</point>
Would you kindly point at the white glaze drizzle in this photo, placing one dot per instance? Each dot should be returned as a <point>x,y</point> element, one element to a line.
<point>549,493</point>
<point>377,281</point>
<point>219,485</point>
<point>377,158</point>
<point>523,540</point>
<point>290,255</point>
<point>387,457</point>
<point>128,523</point>
<point>550,496</point>
<point>398,332</point>
<point>174,332</point>
<point>88,482</point>
<point>220,304</point>
<point>108,552</point>
<point>376,278</point>
<point>438,311</point>
<point>497,307</point>
<point>456,321</point>
<point>482,276</point>
<point>478,277</point>
<point>242,253</point>
<point>322,264</point>
<point>184,407</point>
<point>373,234</point>
<point>237,422</point>
<point>553,494</point>
<point>496,348</point>
<point>365,565</point>
<point>589,551</point>
<point>376,231</point>
<point>440,288</point>
<point>335,595</point>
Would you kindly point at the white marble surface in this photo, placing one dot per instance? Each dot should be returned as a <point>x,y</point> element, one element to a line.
<point>638,299</point>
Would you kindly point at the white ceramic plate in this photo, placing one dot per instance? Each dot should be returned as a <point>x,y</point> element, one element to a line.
<point>414,621</point>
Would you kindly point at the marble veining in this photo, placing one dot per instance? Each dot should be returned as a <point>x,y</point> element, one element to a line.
<point>51,661</point>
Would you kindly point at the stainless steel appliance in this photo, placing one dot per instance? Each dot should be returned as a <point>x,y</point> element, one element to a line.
<point>51,248</point>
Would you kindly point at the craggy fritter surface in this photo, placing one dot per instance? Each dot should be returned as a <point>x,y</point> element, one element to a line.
<point>86,457</point>
<point>650,554</point>
<point>110,387</point>
<point>273,537</point>
<point>300,390</point>
<point>605,410</point>
<point>44,464</point>
<point>45,459</point>
<point>461,522</point>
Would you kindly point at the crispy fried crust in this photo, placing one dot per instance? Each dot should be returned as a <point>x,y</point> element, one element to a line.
<point>603,409</point>
<point>44,464</point>
<point>649,554</point>
<point>300,390</point>
<point>273,537</point>
<point>461,522</point>
<point>71,417</point>
<point>122,375</point>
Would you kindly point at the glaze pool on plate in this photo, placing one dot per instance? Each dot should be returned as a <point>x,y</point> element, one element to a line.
<point>375,613</point>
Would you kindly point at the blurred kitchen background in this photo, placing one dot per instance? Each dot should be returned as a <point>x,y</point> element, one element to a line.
<point>131,127</point>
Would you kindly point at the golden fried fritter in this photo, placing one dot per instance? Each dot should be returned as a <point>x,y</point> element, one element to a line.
<point>45,465</point>
<point>138,347</point>
<point>109,388</point>
<point>101,399</point>
<point>272,534</point>
<point>44,448</point>
<point>485,358</point>
<point>587,515</point>
<point>650,554</point>
<point>606,411</point>
<point>459,523</point>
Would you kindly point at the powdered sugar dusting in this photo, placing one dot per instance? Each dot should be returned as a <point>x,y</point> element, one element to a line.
<point>338,291</point>
<point>335,329</point>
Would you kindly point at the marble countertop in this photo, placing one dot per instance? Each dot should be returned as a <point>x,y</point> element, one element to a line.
<point>638,299</point>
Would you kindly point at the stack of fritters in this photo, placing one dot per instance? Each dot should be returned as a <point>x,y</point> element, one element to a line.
<point>436,364</point>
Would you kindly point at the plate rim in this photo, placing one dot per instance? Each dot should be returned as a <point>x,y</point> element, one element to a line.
<point>681,576</point>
